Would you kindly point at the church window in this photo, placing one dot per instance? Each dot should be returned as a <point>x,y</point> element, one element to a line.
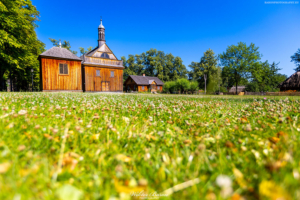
<point>63,68</point>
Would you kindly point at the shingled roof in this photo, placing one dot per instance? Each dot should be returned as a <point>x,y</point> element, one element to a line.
<point>291,83</point>
<point>56,52</point>
<point>145,80</point>
<point>240,88</point>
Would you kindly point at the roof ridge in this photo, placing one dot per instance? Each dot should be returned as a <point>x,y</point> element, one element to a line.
<point>91,50</point>
<point>57,52</point>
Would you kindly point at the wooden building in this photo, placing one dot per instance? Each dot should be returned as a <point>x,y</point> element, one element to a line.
<point>60,70</point>
<point>291,83</point>
<point>102,71</point>
<point>98,70</point>
<point>240,88</point>
<point>143,83</point>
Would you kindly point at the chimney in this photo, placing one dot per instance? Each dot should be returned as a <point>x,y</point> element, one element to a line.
<point>143,74</point>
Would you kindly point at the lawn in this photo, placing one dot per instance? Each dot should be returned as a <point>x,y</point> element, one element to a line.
<point>123,146</point>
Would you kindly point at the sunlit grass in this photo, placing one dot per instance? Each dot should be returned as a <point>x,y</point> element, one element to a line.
<point>108,146</point>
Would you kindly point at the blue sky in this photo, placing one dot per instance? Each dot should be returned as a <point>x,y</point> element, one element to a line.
<point>183,28</point>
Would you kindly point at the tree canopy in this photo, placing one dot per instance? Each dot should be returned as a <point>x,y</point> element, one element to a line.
<point>65,44</point>
<point>208,65</point>
<point>155,63</point>
<point>296,59</point>
<point>19,44</point>
<point>238,59</point>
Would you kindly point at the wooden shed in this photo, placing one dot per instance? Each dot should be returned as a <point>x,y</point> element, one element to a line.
<point>60,70</point>
<point>143,83</point>
<point>291,83</point>
<point>240,88</point>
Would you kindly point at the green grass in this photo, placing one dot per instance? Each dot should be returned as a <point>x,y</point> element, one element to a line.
<point>106,146</point>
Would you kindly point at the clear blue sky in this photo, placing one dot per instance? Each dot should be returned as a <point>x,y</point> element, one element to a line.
<point>183,28</point>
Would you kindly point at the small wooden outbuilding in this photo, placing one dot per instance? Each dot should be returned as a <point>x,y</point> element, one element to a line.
<point>291,83</point>
<point>60,70</point>
<point>143,83</point>
<point>240,88</point>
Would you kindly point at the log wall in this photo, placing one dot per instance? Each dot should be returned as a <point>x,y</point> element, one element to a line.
<point>52,80</point>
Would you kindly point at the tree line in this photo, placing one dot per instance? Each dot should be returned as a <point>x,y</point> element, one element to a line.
<point>239,64</point>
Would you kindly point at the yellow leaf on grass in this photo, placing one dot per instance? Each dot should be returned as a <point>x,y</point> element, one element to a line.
<point>123,158</point>
<point>274,139</point>
<point>272,191</point>
<point>129,190</point>
<point>239,178</point>
<point>4,167</point>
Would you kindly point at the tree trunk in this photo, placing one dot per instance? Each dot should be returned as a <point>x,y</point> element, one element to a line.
<point>10,80</point>
<point>1,79</point>
<point>236,84</point>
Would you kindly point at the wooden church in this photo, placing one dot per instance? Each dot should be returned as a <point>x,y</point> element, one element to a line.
<point>98,70</point>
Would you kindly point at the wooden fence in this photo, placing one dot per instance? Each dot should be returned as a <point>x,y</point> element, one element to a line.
<point>283,94</point>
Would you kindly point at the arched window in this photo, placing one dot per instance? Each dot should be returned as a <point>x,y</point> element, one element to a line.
<point>104,55</point>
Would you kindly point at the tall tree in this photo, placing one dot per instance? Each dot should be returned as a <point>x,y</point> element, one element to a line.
<point>19,45</point>
<point>155,63</point>
<point>207,65</point>
<point>265,77</point>
<point>65,44</point>
<point>296,59</point>
<point>238,59</point>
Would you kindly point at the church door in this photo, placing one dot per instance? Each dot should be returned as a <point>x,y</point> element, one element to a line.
<point>105,86</point>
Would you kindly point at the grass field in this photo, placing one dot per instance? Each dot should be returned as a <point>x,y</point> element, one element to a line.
<point>116,146</point>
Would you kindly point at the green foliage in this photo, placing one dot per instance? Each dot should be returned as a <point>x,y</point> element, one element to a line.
<point>19,46</point>
<point>296,59</point>
<point>155,63</point>
<point>169,87</point>
<point>207,65</point>
<point>237,61</point>
<point>193,86</point>
<point>182,85</point>
<point>265,77</point>
<point>65,44</point>
<point>83,51</point>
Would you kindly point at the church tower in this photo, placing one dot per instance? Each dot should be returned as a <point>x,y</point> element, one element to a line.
<point>101,34</point>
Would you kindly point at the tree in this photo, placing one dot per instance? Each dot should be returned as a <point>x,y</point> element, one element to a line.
<point>238,60</point>
<point>183,85</point>
<point>169,87</point>
<point>296,59</point>
<point>265,77</point>
<point>155,63</point>
<point>207,65</point>
<point>194,86</point>
<point>83,51</point>
<point>19,44</point>
<point>65,44</point>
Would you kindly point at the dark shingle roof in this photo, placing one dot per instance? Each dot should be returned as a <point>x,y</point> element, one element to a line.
<point>57,52</point>
<point>291,83</point>
<point>144,80</point>
<point>91,52</point>
<point>240,88</point>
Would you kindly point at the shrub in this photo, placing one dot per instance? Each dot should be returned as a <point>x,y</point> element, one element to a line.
<point>193,86</point>
<point>183,85</point>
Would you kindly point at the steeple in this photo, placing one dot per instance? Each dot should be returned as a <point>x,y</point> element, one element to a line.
<point>101,34</point>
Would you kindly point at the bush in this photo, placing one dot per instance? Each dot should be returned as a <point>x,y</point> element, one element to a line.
<point>183,85</point>
<point>169,87</point>
<point>193,86</point>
